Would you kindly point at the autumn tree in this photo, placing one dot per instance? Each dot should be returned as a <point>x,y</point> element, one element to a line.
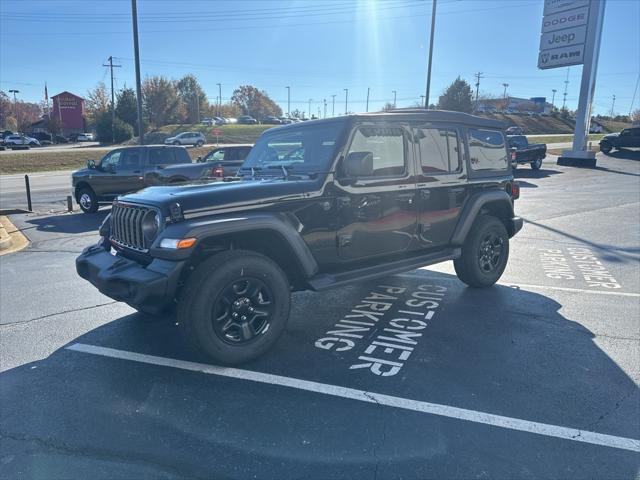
<point>127,107</point>
<point>456,97</point>
<point>161,103</point>
<point>254,102</point>
<point>193,98</point>
<point>97,102</point>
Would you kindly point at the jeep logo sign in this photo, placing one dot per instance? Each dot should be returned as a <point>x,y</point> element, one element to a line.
<point>563,38</point>
<point>560,57</point>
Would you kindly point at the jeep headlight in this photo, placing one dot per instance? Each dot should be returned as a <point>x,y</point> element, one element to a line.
<point>151,224</point>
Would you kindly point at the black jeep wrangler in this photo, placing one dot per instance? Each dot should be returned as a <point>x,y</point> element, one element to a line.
<point>315,205</point>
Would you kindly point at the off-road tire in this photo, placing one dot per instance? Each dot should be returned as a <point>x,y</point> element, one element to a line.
<point>87,200</point>
<point>468,266</point>
<point>606,147</point>
<point>203,297</point>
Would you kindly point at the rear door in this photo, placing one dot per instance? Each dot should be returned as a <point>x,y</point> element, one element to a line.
<point>630,137</point>
<point>377,212</point>
<point>441,183</point>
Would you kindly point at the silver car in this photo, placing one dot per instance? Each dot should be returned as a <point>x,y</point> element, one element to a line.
<point>187,138</point>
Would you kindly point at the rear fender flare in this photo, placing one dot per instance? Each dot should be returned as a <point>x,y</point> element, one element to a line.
<point>473,207</point>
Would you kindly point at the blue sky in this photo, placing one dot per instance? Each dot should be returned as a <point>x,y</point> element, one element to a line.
<point>318,48</point>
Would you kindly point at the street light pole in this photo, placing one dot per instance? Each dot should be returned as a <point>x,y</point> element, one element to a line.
<point>310,100</point>
<point>553,98</point>
<point>136,51</point>
<point>219,99</point>
<point>368,90</point>
<point>288,101</point>
<point>394,98</point>
<point>14,94</point>
<point>504,96</point>
<point>333,105</point>
<point>433,27</point>
<point>612,105</point>
<point>325,107</point>
<point>346,100</point>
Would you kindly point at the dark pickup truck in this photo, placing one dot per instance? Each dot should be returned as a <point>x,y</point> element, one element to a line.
<point>524,152</point>
<point>317,205</point>
<point>130,169</point>
<point>627,138</point>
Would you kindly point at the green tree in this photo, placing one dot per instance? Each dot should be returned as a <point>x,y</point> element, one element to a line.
<point>127,107</point>
<point>254,102</point>
<point>193,98</point>
<point>456,97</point>
<point>121,131</point>
<point>97,102</point>
<point>161,103</point>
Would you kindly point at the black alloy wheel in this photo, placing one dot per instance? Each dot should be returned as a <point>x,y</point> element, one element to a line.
<point>242,311</point>
<point>490,252</point>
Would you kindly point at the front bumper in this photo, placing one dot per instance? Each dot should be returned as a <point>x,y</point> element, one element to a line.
<point>151,288</point>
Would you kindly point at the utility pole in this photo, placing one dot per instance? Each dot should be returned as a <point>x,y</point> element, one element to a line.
<point>333,105</point>
<point>113,102</point>
<point>433,27</point>
<point>136,51</point>
<point>504,95</point>
<point>310,100</point>
<point>288,101</point>
<point>421,99</point>
<point>478,77</point>
<point>566,85</point>
<point>395,96</point>
<point>324,100</point>
<point>219,99</point>
<point>368,90</point>
<point>14,94</point>
<point>15,101</point>
<point>612,105</point>
<point>346,100</point>
<point>553,97</point>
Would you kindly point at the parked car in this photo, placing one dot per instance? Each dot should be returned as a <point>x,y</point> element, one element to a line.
<point>524,152</point>
<point>286,120</point>
<point>219,121</point>
<point>207,121</point>
<point>226,160</point>
<point>247,120</point>
<point>627,138</point>
<point>42,136</point>
<point>85,137</point>
<point>130,169</point>
<point>20,140</point>
<point>515,130</point>
<point>319,206</point>
<point>231,120</point>
<point>187,138</point>
<point>271,120</point>
<point>60,139</point>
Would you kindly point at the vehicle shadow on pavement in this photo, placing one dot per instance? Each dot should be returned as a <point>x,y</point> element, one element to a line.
<point>501,350</point>
<point>69,223</point>
<point>624,154</point>
<point>537,174</point>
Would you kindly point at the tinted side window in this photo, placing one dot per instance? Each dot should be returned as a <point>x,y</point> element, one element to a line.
<point>487,150</point>
<point>130,159</point>
<point>111,161</point>
<point>387,146</point>
<point>158,156</point>
<point>180,155</point>
<point>438,150</point>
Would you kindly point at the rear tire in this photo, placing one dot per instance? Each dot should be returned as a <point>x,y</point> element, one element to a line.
<point>199,143</point>
<point>484,254</point>
<point>536,164</point>
<point>235,306</point>
<point>87,200</point>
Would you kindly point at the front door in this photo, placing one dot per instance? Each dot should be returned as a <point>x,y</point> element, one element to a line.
<point>441,182</point>
<point>376,208</point>
<point>130,171</point>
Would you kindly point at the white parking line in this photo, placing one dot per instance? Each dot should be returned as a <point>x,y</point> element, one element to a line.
<point>509,423</point>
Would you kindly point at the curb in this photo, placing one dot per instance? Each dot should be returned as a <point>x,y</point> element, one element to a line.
<point>5,239</point>
<point>11,239</point>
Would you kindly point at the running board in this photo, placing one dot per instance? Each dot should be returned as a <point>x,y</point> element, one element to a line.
<point>325,281</point>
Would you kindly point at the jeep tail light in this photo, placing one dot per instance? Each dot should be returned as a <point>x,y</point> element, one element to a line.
<point>513,155</point>
<point>514,190</point>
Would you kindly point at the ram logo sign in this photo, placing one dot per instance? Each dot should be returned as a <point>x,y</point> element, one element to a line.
<point>561,57</point>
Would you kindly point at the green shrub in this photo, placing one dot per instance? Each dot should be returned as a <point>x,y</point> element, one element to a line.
<point>121,131</point>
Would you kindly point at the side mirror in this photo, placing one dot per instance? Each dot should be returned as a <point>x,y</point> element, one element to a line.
<point>91,164</point>
<point>358,164</point>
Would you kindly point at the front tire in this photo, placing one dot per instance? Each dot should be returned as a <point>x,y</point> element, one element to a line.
<point>235,306</point>
<point>484,253</point>
<point>176,143</point>
<point>87,200</point>
<point>199,143</point>
<point>606,147</point>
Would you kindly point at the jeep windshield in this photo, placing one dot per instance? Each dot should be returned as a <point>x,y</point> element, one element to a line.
<point>304,149</point>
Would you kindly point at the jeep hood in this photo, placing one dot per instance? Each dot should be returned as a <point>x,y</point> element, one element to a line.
<point>221,196</point>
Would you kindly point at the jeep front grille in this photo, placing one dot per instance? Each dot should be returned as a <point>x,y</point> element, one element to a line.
<point>126,226</point>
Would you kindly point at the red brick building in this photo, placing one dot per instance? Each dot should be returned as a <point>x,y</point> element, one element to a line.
<point>69,110</point>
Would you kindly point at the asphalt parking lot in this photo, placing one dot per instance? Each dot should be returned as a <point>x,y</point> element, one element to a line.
<point>413,376</point>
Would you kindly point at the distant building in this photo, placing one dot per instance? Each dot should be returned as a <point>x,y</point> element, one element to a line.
<point>68,109</point>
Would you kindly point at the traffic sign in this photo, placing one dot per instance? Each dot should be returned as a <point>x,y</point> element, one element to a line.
<point>217,132</point>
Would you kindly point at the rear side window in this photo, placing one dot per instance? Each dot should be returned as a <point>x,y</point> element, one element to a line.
<point>180,155</point>
<point>387,146</point>
<point>438,150</point>
<point>487,150</point>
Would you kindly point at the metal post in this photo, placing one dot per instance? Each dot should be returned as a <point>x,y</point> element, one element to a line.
<point>333,105</point>
<point>219,99</point>
<point>324,100</point>
<point>69,203</point>
<point>346,100</point>
<point>288,101</point>
<point>395,96</point>
<point>310,107</point>
<point>553,97</point>
<point>579,152</point>
<point>433,27</point>
<point>613,102</point>
<point>136,51</point>
<point>28,188</point>
<point>368,89</point>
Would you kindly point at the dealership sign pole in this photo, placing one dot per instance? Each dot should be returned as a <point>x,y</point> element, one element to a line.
<point>571,33</point>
